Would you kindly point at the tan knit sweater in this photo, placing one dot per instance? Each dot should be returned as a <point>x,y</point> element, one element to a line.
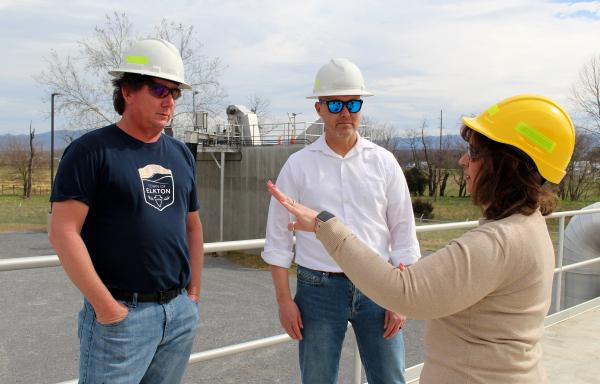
<point>485,295</point>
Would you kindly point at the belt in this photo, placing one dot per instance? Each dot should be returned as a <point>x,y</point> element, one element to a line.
<point>328,274</point>
<point>335,274</point>
<point>161,297</point>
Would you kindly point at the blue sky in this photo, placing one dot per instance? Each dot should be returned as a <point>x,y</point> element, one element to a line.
<point>417,57</point>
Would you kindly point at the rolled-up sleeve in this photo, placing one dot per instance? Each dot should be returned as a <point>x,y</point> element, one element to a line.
<point>400,218</point>
<point>278,240</point>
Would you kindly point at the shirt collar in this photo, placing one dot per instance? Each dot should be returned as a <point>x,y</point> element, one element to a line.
<point>320,145</point>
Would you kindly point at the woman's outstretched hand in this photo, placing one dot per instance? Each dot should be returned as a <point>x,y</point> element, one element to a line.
<point>305,217</point>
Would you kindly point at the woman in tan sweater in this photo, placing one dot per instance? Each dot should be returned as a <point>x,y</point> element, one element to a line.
<point>485,295</point>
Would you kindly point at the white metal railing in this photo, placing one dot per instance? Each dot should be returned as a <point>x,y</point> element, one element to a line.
<point>412,373</point>
<point>232,135</point>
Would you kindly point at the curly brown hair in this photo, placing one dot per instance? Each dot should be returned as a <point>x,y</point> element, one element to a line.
<point>508,181</point>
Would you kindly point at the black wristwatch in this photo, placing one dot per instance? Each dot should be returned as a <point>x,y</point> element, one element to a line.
<point>322,217</point>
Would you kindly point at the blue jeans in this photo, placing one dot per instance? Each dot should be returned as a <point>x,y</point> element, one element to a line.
<point>151,345</point>
<point>326,305</point>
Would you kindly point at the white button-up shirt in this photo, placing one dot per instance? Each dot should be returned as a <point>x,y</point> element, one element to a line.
<point>366,189</point>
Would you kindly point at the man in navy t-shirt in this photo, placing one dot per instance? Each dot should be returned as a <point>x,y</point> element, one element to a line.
<point>126,228</point>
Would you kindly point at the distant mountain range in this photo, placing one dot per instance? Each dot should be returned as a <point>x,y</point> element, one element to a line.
<point>62,138</point>
<point>455,141</point>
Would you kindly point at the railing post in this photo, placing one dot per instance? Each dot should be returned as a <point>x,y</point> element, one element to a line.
<point>357,365</point>
<point>221,197</point>
<point>561,245</point>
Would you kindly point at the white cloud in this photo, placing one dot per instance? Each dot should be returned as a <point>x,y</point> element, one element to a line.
<point>418,57</point>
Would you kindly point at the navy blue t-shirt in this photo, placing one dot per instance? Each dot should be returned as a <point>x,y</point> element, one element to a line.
<point>139,195</point>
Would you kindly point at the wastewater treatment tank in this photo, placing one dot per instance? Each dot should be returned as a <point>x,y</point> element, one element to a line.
<point>582,242</point>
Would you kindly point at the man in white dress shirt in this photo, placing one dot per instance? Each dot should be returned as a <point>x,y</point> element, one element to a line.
<point>362,184</point>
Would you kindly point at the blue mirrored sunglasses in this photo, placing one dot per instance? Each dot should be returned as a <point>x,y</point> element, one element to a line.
<point>161,91</point>
<point>336,106</point>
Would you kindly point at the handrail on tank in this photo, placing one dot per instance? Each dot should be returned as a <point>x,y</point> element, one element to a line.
<point>286,133</point>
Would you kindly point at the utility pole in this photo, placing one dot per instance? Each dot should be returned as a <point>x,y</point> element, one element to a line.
<point>292,120</point>
<point>441,126</point>
<point>439,162</point>
<point>194,110</point>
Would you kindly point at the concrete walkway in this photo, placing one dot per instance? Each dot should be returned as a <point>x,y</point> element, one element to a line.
<point>572,349</point>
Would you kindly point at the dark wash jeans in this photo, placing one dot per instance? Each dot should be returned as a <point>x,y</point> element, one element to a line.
<point>327,303</point>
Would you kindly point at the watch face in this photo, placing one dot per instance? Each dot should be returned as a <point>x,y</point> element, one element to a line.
<point>324,216</point>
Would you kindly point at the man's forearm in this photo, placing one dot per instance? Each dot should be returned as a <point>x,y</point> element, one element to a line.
<point>280,277</point>
<point>196,249</point>
<point>64,234</point>
<point>77,264</point>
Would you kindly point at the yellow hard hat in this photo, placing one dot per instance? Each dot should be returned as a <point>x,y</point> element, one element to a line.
<point>534,124</point>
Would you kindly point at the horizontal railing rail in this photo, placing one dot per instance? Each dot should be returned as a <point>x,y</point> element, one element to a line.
<point>412,373</point>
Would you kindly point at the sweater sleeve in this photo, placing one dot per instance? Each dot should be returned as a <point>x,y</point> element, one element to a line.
<point>446,282</point>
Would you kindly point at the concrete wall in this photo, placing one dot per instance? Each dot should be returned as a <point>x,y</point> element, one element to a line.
<point>246,200</point>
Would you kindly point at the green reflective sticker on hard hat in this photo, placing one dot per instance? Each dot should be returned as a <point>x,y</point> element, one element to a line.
<point>137,59</point>
<point>493,110</point>
<point>317,83</point>
<point>536,136</point>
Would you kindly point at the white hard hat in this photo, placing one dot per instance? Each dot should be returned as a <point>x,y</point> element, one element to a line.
<point>156,58</point>
<point>339,77</point>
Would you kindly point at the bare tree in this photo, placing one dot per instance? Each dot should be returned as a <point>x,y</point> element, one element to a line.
<point>29,173</point>
<point>437,158</point>
<point>581,171</point>
<point>453,152</point>
<point>381,133</point>
<point>20,154</point>
<point>84,82</point>
<point>460,181</point>
<point>586,92</point>
<point>201,71</point>
<point>413,138</point>
<point>260,106</point>
<point>431,170</point>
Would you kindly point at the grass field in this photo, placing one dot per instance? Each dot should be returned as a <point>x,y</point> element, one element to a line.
<point>11,181</point>
<point>18,214</point>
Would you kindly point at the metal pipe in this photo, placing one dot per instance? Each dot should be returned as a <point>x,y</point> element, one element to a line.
<point>222,196</point>
<point>561,247</point>
<point>573,266</point>
<point>447,226</point>
<point>19,263</point>
<point>32,262</point>
<point>52,260</point>
<point>239,348</point>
